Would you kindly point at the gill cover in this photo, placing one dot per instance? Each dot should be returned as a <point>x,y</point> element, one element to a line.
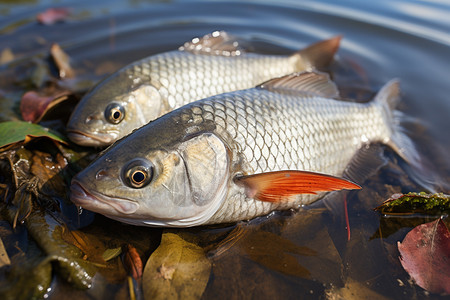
<point>192,186</point>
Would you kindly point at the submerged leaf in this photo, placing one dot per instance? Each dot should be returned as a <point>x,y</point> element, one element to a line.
<point>16,131</point>
<point>178,269</point>
<point>431,204</point>
<point>425,255</point>
<point>276,253</point>
<point>353,290</point>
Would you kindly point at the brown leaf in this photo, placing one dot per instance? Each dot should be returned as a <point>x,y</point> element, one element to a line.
<point>4,258</point>
<point>132,262</point>
<point>53,15</point>
<point>61,60</point>
<point>425,255</point>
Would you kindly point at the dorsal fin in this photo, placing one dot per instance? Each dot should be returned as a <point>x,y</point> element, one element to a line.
<point>308,83</point>
<point>318,55</point>
<point>216,43</point>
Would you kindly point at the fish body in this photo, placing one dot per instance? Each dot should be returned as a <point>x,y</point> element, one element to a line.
<point>153,86</point>
<point>238,155</point>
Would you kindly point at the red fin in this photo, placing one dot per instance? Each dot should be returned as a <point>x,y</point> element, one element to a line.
<point>280,185</point>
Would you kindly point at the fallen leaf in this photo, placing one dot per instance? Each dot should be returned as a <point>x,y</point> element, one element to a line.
<point>32,105</point>
<point>111,253</point>
<point>4,258</point>
<point>425,255</point>
<point>53,15</point>
<point>12,132</point>
<point>178,269</point>
<point>91,247</point>
<point>132,261</point>
<point>60,108</point>
<point>61,60</point>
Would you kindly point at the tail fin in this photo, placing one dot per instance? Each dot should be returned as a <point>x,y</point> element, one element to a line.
<point>318,55</point>
<point>388,98</point>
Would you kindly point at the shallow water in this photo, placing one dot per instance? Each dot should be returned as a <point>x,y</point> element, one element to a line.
<point>409,40</point>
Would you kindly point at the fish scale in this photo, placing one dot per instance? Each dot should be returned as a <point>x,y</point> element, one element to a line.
<point>218,74</point>
<point>308,133</point>
<point>240,155</point>
<point>146,89</point>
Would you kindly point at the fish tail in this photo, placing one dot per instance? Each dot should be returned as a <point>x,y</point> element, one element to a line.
<point>318,55</point>
<point>388,98</point>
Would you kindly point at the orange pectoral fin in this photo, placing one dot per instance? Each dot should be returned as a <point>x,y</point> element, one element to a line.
<point>280,185</point>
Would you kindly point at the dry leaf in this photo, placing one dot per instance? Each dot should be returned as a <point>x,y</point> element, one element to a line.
<point>425,255</point>
<point>4,258</point>
<point>132,262</point>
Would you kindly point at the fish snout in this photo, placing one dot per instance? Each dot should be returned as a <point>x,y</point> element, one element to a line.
<point>100,203</point>
<point>85,139</point>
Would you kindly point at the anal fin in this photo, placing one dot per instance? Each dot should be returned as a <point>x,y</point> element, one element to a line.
<point>281,185</point>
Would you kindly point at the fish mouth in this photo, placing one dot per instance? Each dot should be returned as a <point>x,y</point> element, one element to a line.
<point>85,139</point>
<point>100,203</point>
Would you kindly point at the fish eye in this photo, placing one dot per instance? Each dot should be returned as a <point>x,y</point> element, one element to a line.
<point>138,173</point>
<point>114,113</point>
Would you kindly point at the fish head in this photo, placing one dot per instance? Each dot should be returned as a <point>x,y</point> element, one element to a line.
<point>112,109</point>
<point>172,185</point>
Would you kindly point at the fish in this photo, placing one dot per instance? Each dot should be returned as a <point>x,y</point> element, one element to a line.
<point>235,156</point>
<point>148,88</point>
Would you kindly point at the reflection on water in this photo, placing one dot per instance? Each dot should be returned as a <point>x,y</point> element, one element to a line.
<point>381,40</point>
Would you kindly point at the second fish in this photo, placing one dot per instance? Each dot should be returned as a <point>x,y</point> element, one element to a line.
<point>153,86</point>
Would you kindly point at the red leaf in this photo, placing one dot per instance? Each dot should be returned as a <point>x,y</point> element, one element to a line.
<point>53,15</point>
<point>33,105</point>
<point>132,262</point>
<point>425,255</point>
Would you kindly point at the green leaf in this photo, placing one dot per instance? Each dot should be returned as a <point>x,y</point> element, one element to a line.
<point>411,203</point>
<point>111,253</point>
<point>16,131</point>
<point>178,269</point>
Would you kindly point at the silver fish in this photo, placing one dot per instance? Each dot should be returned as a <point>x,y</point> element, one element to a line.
<point>239,155</point>
<point>153,86</point>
